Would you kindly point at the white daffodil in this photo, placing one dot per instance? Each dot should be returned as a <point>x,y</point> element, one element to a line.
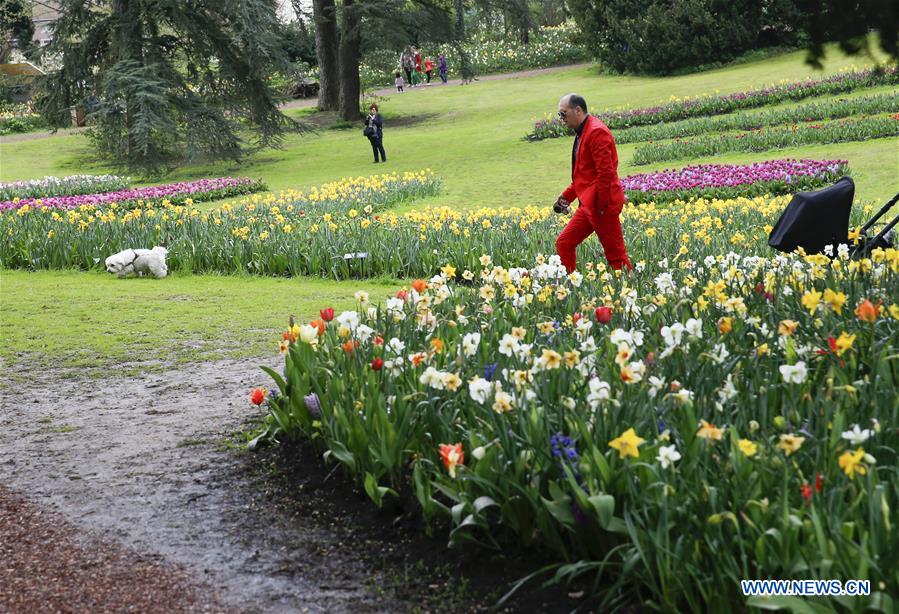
<point>479,389</point>
<point>857,436</point>
<point>668,455</point>
<point>794,374</point>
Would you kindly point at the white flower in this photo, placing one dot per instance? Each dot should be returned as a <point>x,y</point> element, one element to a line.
<point>479,389</point>
<point>665,283</point>
<point>395,305</point>
<point>673,334</point>
<point>575,278</point>
<point>694,328</point>
<point>470,343</point>
<point>568,402</point>
<point>599,391</point>
<point>655,385</point>
<point>396,346</point>
<point>508,345</point>
<point>394,366</point>
<point>479,452</point>
<point>361,296</point>
<point>432,378</point>
<point>350,319</point>
<point>364,333</point>
<point>308,334</point>
<point>719,353</point>
<point>794,374</point>
<point>843,251</point>
<point>683,396</point>
<point>855,436</point>
<point>727,391</point>
<point>588,346</point>
<point>668,455</point>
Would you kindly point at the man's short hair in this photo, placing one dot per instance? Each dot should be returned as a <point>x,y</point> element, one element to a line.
<point>576,100</point>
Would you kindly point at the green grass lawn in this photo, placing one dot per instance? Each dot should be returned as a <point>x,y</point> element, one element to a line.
<point>90,320</point>
<point>470,135</point>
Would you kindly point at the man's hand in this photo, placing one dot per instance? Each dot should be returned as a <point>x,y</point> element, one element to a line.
<point>562,206</point>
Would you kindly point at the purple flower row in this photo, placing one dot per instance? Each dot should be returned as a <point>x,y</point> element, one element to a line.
<point>199,190</point>
<point>728,180</point>
<point>714,105</point>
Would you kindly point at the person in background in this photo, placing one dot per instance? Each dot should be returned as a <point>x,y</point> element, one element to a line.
<point>441,67</point>
<point>417,65</point>
<point>429,68</point>
<point>594,182</point>
<point>399,82</point>
<point>407,62</point>
<point>377,139</point>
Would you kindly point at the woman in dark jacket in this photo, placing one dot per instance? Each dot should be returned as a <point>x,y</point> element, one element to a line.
<point>377,138</point>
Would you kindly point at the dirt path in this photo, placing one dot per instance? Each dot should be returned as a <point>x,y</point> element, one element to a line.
<point>140,460</point>
<point>436,84</point>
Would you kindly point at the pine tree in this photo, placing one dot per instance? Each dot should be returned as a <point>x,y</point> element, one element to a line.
<point>168,80</point>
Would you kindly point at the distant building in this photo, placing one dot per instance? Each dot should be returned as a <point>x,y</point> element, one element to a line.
<point>44,14</point>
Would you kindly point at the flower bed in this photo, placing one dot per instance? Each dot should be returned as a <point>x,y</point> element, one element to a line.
<point>711,417</point>
<point>62,186</point>
<point>704,106</point>
<point>175,193</point>
<point>269,236</point>
<point>766,139</point>
<point>733,180</point>
<point>828,109</point>
<point>19,118</point>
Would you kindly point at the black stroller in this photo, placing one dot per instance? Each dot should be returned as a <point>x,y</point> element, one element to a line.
<point>814,220</point>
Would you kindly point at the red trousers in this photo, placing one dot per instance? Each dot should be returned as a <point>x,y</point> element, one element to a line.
<point>583,224</point>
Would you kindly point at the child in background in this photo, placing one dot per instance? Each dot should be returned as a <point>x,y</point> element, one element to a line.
<point>399,82</point>
<point>429,68</point>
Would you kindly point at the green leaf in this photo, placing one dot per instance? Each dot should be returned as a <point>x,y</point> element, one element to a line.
<point>605,508</point>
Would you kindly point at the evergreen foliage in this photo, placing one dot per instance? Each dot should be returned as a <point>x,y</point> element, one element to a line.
<point>168,80</point>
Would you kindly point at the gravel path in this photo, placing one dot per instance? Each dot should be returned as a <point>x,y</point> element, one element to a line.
<point>49,566</point>
<point>140,461</point>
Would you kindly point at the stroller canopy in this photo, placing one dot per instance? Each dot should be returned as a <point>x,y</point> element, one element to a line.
<point>813,220</point>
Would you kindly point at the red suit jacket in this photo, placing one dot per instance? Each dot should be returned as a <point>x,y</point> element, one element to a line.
<point>594,178</point>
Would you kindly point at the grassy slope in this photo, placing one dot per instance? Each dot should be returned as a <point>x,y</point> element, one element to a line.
<point>471,136</point>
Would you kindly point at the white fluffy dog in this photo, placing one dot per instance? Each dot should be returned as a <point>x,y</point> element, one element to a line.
<point>139,261</point>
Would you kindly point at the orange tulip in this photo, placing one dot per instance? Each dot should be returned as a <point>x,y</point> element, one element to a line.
<point>866,311</point>
<point>420,285</point>
<point>452,455</point>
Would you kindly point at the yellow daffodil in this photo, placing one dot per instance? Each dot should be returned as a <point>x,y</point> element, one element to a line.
<point>627,444</point>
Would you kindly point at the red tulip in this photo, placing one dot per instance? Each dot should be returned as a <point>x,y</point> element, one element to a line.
<point>576,317</point>
<point>257,396</point>
<point>603,314</point>
<point>819,482</point>
<point>806,492</point>
<point>327,314</point>
<point>377,364</point>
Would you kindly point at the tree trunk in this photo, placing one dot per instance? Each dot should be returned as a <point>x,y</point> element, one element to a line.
<point>127,42</point>
<point>325,15</point>
<point>349,62</point>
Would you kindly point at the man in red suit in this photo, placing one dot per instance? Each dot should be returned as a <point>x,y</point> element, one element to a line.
<point>594,182</point>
